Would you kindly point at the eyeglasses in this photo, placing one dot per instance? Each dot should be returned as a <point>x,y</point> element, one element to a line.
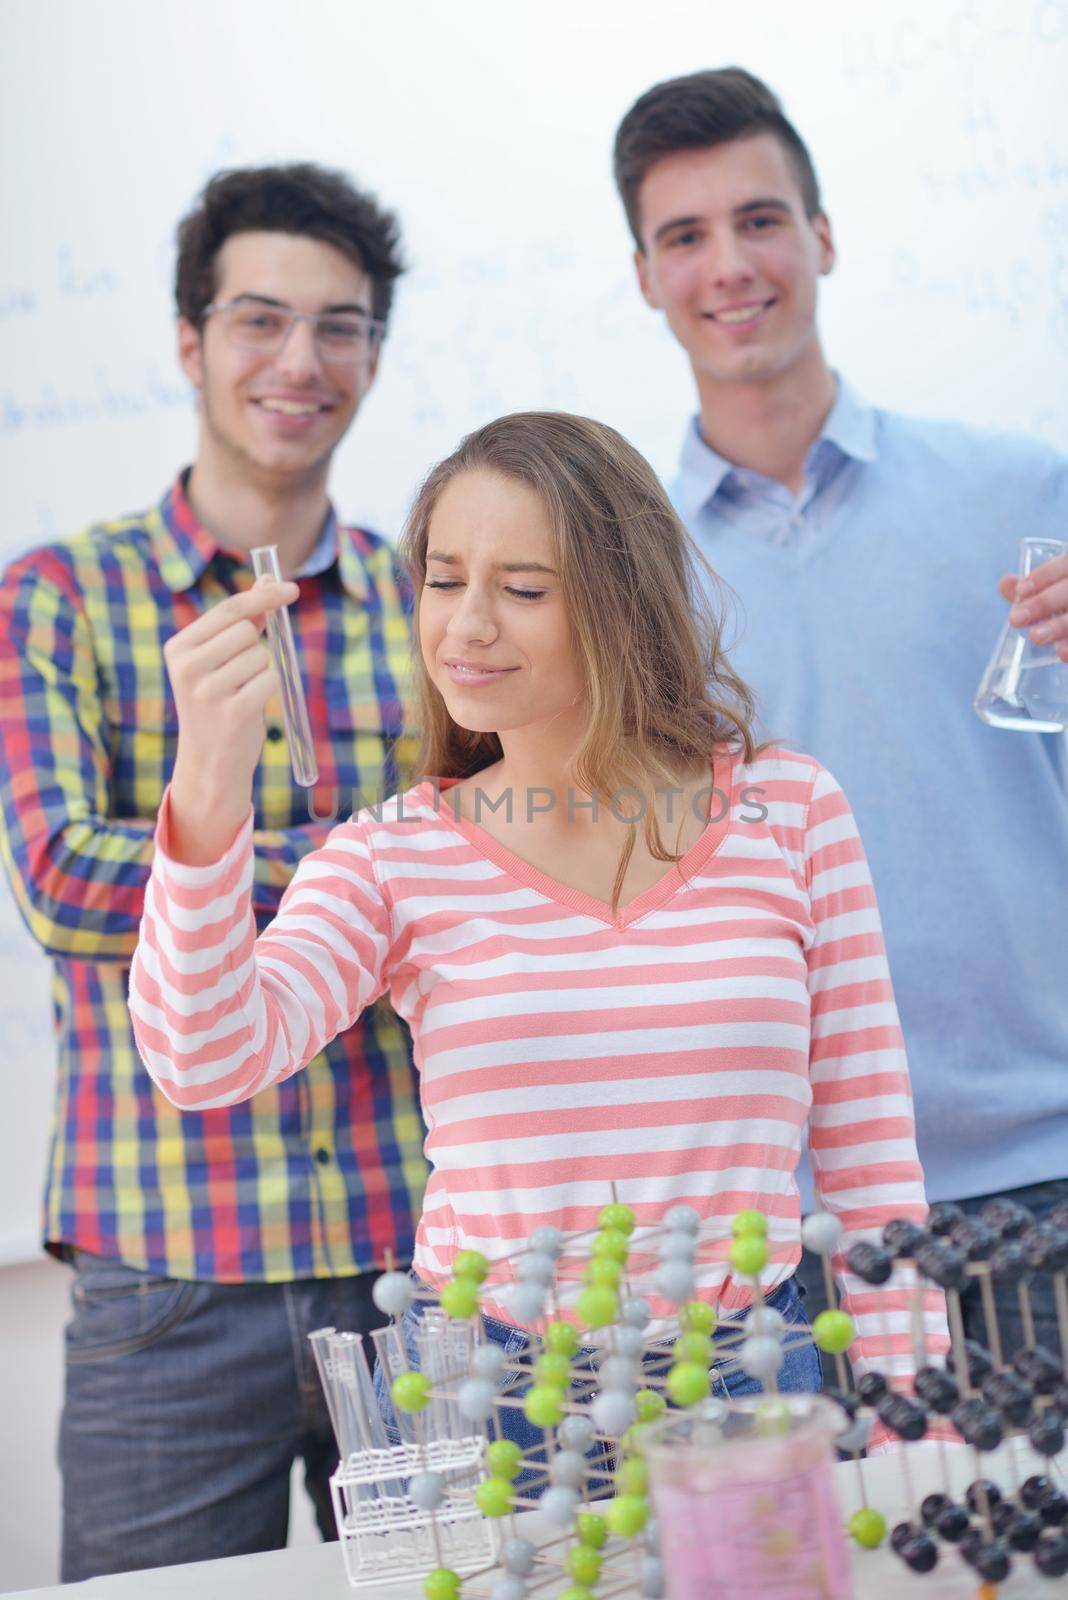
<point>342,338</point>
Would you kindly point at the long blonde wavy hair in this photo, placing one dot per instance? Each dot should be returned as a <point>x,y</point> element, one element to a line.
<point>660,690</point>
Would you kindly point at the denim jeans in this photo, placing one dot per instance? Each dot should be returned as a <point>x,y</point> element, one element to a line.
<point>186,1406</point>
<point>800,1371</point>
<point>1040,1198</point>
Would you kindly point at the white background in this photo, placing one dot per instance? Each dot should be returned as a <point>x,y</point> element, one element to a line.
<point>488,126</point>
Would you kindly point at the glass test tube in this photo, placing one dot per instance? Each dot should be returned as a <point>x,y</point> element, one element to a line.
<point>284,651</point>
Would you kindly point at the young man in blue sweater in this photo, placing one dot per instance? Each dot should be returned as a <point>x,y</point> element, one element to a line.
<point>870,554</point>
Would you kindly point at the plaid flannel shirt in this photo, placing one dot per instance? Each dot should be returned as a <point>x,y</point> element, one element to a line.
<point>324,1174</point>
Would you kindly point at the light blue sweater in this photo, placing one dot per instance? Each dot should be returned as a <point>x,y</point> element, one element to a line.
<point>866,609</point>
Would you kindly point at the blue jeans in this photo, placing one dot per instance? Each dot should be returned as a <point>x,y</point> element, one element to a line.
<point>186,1406</point>
<point>800,1371</point>
<point>1040,1198</point>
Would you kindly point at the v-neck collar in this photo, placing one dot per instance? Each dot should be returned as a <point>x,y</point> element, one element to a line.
<point>676,877</point>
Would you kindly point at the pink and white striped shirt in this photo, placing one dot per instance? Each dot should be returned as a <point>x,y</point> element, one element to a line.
<point>675,1049</point>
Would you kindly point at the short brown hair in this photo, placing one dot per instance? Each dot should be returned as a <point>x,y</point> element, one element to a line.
<point>661,691</point>
<point>697,112</point>
<point>301,198</point>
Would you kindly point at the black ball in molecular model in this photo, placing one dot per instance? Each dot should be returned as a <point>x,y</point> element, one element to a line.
<point>978,1424</point>
<point>1007,1218</point>
<point>943,1217</point>
<point>937,1389</point>
<point>904,1238</point>
<point>1051,1555</point>
<point>974,1238</point>
<point>977,1359</point>
<point>953,1523</point>
<point>871,1387</point>
<point>903,1416</point>
<point>942,1262</point>
<point>1023,1531</point>
<point>1054,1509</point>
<point>1008,1393</point>
<point>1008,1262</point>
<point>870,1262</point>
<point>981,1493</point>
<point>932,1508</point>
<point>900,1535</point>
<point>1039,1367</point>
<point>992,1562</point>
<point>920,1553</point>
<point>1046,1433</point>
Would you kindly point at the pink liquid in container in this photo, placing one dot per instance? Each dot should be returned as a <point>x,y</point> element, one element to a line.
<point>745,1502</point>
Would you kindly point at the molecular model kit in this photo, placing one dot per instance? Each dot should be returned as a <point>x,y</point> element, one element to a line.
<point>587,1455</point>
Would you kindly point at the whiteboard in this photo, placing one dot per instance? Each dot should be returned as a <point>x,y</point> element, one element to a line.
<point>936,127</point>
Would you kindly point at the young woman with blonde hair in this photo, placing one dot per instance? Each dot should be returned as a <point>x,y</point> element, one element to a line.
<point>634,950</point>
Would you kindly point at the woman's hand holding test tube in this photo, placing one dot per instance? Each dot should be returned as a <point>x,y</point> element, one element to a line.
<point>223,677</point>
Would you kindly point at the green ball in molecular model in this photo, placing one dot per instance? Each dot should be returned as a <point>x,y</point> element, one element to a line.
<point>749,1255</point>
<point>697,1316</point>
<point>688,1383</point>
<point>610,1242</point>
<point>591,1529</point>
<point>617,1216</point>
<point>543,1405</point>
<point>410,1391</point>
<point>584,1564</point>
<point>868,1527</point>
<point>459,1299</point>
<point>561,1338</point>
<point>493,1497</point>
<point>597,1306</point>
<point>470,1264</point>
<point>749,1224</point>
<point>833,1331</point>
<point>504,1459</point>
<point>627,1515</point>
<point>441,1584</point>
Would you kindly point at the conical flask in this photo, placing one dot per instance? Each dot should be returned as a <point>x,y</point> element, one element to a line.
<point>1025,686</point>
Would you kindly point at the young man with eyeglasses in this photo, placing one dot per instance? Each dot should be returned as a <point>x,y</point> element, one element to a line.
<point>868,551</point>
<point>205,1248</point>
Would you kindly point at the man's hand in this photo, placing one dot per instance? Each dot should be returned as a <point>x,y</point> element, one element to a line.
<point>222,677</point>
<point>1040,603</point>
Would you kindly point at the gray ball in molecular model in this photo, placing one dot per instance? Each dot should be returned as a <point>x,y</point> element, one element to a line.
<point>393,1293</point>
<point>678,1247</point>
<point>613,1412</point>
<point>427,1490</point>
<point>536,1267</point>
<point>557,1506</point>
<point>682,1219</point>
<point>760,1356</point>
<point>474,1399</point>
<point>629,1342</point>
<point>635,1313</point>
<point>675,1281</point>
<point>821,1233</point>
<point>569,1468</point>
<point>487,1361</point>
<point>576,1433</point>
<point>508,1587</point>
<point>549,1241</point>
<point>518,1557</point>
<point>526,1301</point>
<point>617,1372</point>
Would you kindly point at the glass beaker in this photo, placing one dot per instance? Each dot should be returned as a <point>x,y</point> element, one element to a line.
<point>745,1501</point>
<point>1025,686</point>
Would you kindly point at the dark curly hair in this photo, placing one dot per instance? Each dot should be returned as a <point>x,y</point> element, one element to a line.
<point>301,198</point>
